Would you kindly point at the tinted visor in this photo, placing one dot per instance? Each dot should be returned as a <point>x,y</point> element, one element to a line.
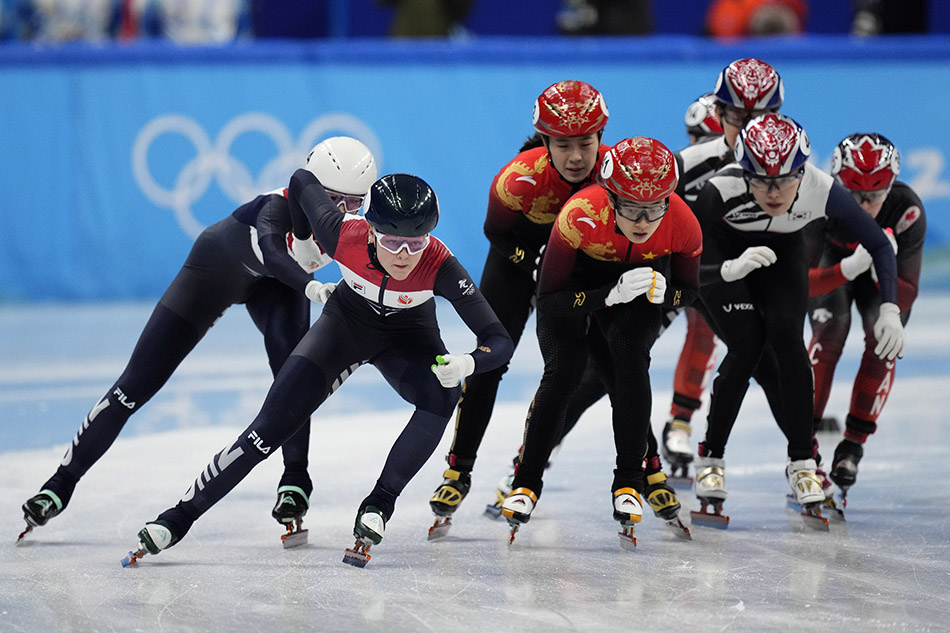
<point>395,243</point>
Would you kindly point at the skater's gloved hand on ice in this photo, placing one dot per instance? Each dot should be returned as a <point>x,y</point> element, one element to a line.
<point>889,333</point>
<point>856,263</point>
<point>319,292</point>
<point>452,369</point>
<point>308,254</point>
<point>889,233</point>
<point>635,282</point>
<point>751,258</point>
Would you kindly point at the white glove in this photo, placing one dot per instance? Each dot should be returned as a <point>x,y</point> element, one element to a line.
<point>319,292</point>
<point>308,254</point>
<point>751,258</point>
<point>893,240</point>
<point>451,369</point>
<point>537,264</point>
<point>889,333</point>
<point>856,263</point>
<point>634,283</point>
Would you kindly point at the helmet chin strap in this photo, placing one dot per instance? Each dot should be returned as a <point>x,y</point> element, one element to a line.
<point>373,259</point>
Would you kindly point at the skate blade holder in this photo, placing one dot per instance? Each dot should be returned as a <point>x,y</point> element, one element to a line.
<point>715,519</point>
<point>810,514</point>
<point>440,528</point>
<point>627,540</point>
<point>680,483</point>
<point>835,514</point>
<point>493,511</point>
<point>679,530</point>
<point>358,555</point>
<point>295,537</point>
<point>133,557</point>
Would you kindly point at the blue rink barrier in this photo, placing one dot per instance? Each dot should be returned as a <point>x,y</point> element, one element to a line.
<point>114,157</point>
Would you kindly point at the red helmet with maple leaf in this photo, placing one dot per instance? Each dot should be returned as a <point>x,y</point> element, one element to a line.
<point>570,108</point>
<point>866,162</point>
<point>640,169</point>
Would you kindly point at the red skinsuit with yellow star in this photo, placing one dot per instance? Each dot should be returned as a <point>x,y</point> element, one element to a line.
<point>585,256</point>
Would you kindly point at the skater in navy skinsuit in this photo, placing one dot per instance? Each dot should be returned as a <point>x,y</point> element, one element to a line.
<point>381,313</point>
<point>243,259</point>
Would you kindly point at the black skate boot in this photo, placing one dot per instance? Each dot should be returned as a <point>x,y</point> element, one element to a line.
<point>368,529</point>
<point>39,509</point>
<point>445,500</point>
<point>844,467</point>
<point>292,505</point>
<point>153,538</point>
<point>662,498</point>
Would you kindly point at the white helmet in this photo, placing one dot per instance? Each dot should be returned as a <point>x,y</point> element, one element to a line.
<point>344,165</point>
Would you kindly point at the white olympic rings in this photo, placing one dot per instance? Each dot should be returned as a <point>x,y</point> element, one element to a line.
<point>214,160</point>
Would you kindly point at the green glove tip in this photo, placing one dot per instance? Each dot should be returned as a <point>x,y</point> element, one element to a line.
<point>440,360</point>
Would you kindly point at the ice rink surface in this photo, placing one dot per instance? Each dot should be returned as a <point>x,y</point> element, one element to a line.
<point>887,568</point>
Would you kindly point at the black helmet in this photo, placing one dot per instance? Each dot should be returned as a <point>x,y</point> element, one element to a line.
<point>404,205</point>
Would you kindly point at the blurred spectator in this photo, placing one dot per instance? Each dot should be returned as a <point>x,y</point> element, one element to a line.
<point>739,18</point>
<point>606,17</point>
<point>876,17</point>
<point>428,18</point>
<point>293,19</point>
<point>197,21</point>
<point>65,20</point>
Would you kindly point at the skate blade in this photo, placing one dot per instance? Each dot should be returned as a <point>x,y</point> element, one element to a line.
<point>708,519</point>
<point>29,528</point>
<point>357,556</point>
<point>810,514</point>
<point>294,538</point>
<point>835,514</point>
<point>493,511</point>
<point>133,557</point>
<point>440,528</point>
<point>679,530</point>
<point>514,530</point>
<point>628,541</point>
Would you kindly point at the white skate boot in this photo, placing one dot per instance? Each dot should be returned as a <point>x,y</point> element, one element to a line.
<point>807,491</point>
<point>153,538</point>
<point>676,449</point>
<point>711,491</point>
<point>628,509</point>
<point>517,508</point>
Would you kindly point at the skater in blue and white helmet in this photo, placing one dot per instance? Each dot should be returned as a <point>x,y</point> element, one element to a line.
<point>382,313</point>
<point>754,284</point>
<point>247,258</point>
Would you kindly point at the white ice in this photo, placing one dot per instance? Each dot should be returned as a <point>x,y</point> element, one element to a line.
<point>886,569</point>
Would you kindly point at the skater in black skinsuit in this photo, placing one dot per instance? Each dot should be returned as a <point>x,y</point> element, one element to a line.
<point>243,259</point>
<point>382,313</point>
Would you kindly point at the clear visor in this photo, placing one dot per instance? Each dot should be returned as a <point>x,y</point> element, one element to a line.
<point>871,197</point>
<point>767,183</point>
<point>395,243</point>
<point>740,116</point>
<point>346,203</point>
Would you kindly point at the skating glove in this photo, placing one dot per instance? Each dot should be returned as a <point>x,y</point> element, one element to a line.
<point>308,254</point>
<point>751,258</point>
<point>889,333</point>
<point>319,292</point>
<point>856,263</point>
<point>452,369</point>
<point>889,232</point>
<point>635,282</point>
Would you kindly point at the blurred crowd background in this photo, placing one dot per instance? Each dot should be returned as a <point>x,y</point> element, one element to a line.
<point>219,21</point>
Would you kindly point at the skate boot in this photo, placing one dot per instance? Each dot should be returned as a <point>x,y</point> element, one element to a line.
<point>368,530</point>
<point>676,450</point>
<point>807,492</point>
<point>711,491</point>
<point>844,467</point>
<point>517,508</point>
<point>39,509</point>
<point>666,506</point>
<point>493,510</point>
<point>292,505</point>
<point>446,499</point>
<point>829,505</point>
<point>628,509</point>
<point>153,538</point>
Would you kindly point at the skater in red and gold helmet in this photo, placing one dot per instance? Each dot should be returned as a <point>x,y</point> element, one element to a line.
<point>620,253</point>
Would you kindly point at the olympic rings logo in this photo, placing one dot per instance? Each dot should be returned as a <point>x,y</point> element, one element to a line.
<point>213,160</point>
